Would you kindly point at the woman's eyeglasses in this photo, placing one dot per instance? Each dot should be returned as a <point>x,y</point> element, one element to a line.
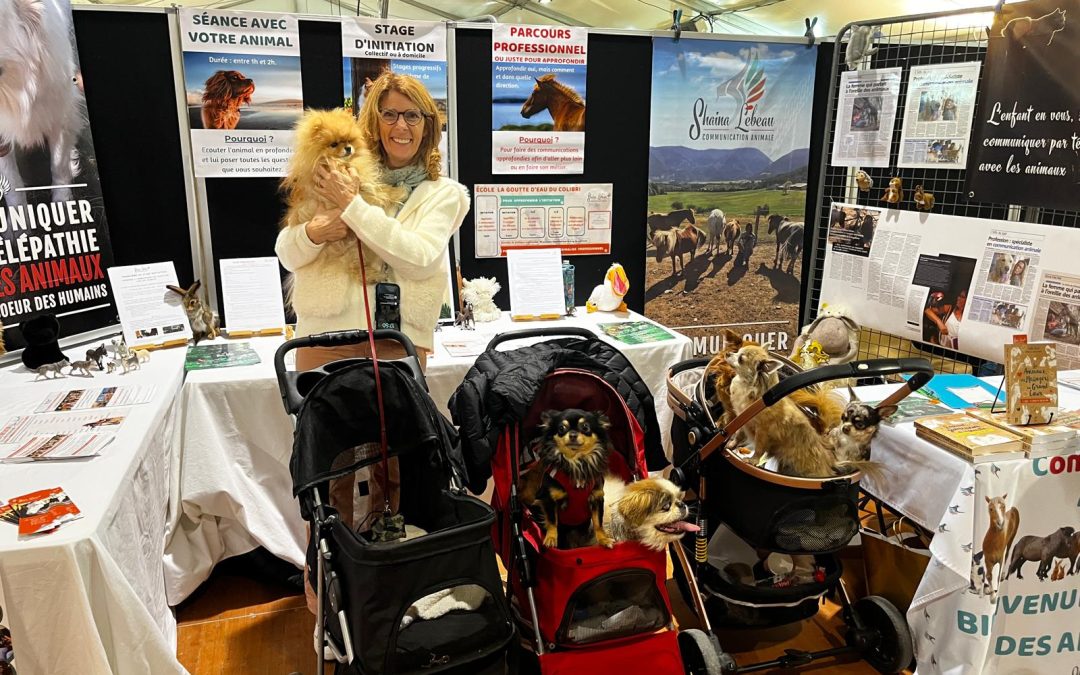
<point>390,116</point>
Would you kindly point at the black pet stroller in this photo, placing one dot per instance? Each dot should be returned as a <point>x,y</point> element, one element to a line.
<point>369,590</point>
<point>763,511</point>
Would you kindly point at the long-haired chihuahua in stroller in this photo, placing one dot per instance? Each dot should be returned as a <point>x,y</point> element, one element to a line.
<point>565,486</point>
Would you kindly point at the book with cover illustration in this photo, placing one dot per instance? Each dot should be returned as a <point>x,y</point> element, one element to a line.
<point>973,439</point>
<point>635,332</point>
<point>1031,382</point>
<point>1040,440</point>
<point>913,407</point>
<point>43,511</point>
<point>961,390</point>
<point>225,355</point>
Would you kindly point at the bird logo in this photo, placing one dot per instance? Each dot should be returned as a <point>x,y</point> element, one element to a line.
<point>746,88</point>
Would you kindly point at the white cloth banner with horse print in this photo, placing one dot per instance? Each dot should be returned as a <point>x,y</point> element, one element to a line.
<point>728,161</point>
<point>1001,593</point>
<point>575,217</point>
<point>416,48</point>
<point>538,99</point>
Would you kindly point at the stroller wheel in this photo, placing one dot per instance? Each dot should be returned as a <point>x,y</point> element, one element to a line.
<point>887,646</point>
<point>702,654</point>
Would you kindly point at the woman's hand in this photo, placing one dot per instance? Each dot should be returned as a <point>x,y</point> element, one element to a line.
<point>335,187</point>
<point>326,226</point>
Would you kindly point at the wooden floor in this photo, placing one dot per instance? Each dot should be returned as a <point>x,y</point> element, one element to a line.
<point>236,625</point>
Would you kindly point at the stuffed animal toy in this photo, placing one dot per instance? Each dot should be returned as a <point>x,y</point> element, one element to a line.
<point>831,339</point>
<point>924,201</point>
<point>40,334</point>
<point>894,194</point>
<point>861,44</point>
<point>204,325</point>
<point>864,181</point>
<point>608,296</point>
<point>480,294</point>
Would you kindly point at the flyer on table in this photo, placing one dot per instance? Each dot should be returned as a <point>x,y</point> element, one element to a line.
<point>54,239</point>
<point>575,217</point>
<point>416,48</point>
<point>244,94</point>
<point>538,99</point>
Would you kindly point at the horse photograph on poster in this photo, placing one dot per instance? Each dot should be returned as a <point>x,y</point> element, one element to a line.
<point>728,165</point>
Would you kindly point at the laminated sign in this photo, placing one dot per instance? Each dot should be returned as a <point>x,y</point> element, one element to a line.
<point>244,94</point>
<point>538,99</point>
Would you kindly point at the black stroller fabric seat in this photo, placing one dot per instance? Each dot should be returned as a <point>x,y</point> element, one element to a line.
<point>500,387</point>
<point>337,432</point>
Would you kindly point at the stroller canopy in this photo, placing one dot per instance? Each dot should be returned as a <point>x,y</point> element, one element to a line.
<point>501,387</point>
<point>337,427</point>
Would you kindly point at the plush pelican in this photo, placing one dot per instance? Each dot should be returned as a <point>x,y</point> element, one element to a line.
<point>608,296</point>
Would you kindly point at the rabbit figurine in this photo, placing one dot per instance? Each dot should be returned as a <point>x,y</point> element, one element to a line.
<point>203,323</point>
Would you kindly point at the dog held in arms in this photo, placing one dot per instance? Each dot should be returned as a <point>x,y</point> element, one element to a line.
<point>40,104</point>
<point>565,486</point>
<point>332,137</point>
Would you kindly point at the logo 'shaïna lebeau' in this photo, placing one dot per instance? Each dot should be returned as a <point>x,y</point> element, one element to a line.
<point>746,88</point>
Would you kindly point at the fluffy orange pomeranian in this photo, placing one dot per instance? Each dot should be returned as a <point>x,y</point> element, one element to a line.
<point>335,138</point>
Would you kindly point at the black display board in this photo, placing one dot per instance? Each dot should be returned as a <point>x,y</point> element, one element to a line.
<point>131,102</point>
<point>616,151</point>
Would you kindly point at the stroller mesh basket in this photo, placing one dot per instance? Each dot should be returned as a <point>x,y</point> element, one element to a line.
<point>424,604</point>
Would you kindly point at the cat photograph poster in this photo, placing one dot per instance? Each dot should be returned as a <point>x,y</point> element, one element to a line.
<point>1024,149</point>
<point>54,241</point>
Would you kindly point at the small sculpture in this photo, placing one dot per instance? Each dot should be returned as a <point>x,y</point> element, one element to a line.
<point>608,296</point>
<point>97,354</point>
<point>864,181</point>
<point>130,362</point>
<point>480,294</point>
<point>809,34</point>
<point>894,194</point>
<point>57,369</point>
<point>861,44</point>
<point>924,201</point>
<point>111,366</point>
<point>82,366</point>
<point>465,318</point>
<point>203,323</point>
<point>120,348</point>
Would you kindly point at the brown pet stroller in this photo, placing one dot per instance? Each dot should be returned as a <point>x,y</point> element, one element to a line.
<point>748,510</point>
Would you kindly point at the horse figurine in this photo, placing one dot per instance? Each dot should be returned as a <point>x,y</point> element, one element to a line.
<point>566,106</point>
<point>997,541</point>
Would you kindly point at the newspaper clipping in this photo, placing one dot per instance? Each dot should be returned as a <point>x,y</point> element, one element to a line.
<point>1057,316</point>
<point>1005,284</point>
<point>938,113</point>
<point>865,117</point>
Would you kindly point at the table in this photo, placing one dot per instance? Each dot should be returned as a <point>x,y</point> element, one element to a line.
<point>1027,625</point>
<point>231,490</point>
<point>89,597</point>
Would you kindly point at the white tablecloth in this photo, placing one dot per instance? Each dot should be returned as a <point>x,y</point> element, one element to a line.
<point>89,598</point>
<point>1025,626</point>
<point>231,488</point>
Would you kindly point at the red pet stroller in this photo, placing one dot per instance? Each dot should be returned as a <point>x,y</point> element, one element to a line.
<point>592,609</point>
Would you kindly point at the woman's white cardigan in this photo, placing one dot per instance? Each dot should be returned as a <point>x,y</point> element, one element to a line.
<point>326,277</point>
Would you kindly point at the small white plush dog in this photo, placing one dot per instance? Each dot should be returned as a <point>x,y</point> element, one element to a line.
<point>480,293</point>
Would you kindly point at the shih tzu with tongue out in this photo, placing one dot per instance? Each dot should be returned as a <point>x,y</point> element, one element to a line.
<point>649,511</point>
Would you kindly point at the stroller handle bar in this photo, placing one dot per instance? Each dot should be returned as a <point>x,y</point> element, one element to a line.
<point>287,381</point>
<point>568,331</point>
<point>920,369</point>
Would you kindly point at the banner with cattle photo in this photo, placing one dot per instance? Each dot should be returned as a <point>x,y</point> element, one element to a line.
<point>244,93</point>
<point>54,240</point>
<point>1001,593</point>
<point>418,48</point>
<point>538,99</point>
<point>728,159</point>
